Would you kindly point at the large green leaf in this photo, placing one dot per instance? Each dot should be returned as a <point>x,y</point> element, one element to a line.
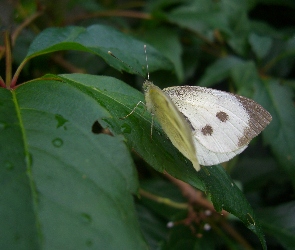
<point>99,39</point>
<point>62,186</point>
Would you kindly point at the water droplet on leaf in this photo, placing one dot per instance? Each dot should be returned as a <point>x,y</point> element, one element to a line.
<point>57,142</point>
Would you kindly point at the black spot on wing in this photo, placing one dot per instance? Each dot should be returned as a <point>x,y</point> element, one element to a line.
<point>222,116</point>
<point>207,130</point>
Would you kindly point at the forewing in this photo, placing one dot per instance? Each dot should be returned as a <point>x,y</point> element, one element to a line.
<point>172,121</point>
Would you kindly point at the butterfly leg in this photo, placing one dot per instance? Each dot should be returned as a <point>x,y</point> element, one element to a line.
<point>152,124</point>
<point>132,111</point>
<point>140,102</point>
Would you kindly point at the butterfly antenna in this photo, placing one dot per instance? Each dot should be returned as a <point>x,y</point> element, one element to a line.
<point>110,53</point>
<point>140,102</point>
<point>147,65</point>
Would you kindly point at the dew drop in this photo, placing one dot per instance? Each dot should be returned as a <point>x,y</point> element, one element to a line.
<point>57,142</point>
<point>125,128</point>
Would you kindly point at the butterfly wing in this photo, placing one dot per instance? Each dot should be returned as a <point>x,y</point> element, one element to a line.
<point>207,157</point>
<point>223,123</point>
<point>172,121</point>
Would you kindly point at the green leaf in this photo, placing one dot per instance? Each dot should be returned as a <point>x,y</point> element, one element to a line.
<point>202,22</point>
<point>99,39</point>
<point>260,45</point>
<point>238,24</point>
<point>120,99</point>
<point>226,195</point>
<point>265,30</point>
<point>277,99</point>
<point>63,186</point>
<point>18,220</point>
<point>279,222</point>
<point>219,71</point>
<point>246,78</point>
<point>204,17</point>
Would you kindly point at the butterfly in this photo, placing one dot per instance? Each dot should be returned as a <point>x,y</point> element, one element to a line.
<point>207,126</point>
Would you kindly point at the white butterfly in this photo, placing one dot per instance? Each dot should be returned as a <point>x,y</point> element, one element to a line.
<point>207,126</point>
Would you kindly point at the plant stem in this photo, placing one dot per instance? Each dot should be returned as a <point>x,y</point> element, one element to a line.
<point>8,58</point>
<point>2,83</point>
<point>15,77</point>
<point>162,200</point>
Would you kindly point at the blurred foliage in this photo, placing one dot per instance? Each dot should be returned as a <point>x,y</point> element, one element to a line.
<point>67,184</point>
